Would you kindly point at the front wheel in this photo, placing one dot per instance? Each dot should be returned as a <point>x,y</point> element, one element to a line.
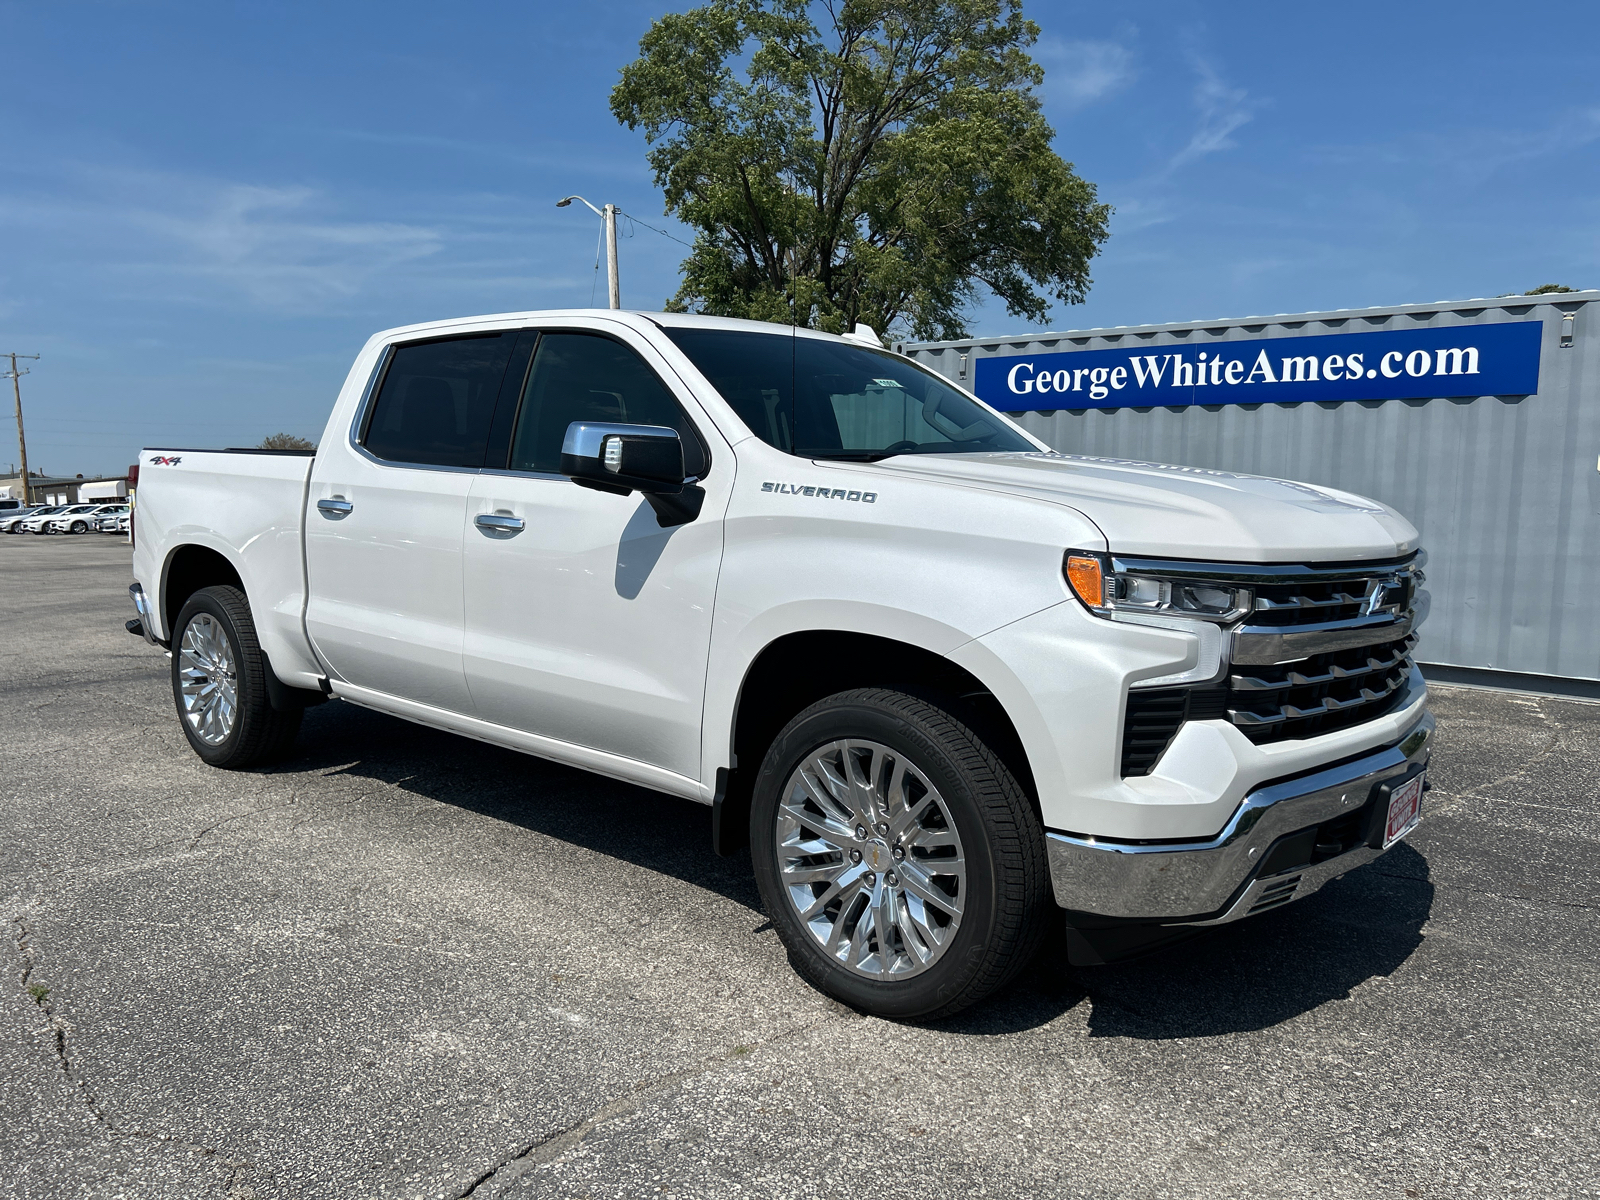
<point>219,683</point>
<point>79,527</point>
<point>900,861</point>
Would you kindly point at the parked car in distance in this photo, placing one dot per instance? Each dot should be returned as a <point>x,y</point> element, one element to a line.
<point>82,522</point>
<point>36,521</point>
<point>113,522</point>
<point>50,524</point>
<point>10,520</point>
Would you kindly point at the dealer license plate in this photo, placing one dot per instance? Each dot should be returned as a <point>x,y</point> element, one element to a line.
<point>1405,810</point>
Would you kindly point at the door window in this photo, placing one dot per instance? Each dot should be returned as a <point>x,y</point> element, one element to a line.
<point>589,377</point>
<point>437,400</point>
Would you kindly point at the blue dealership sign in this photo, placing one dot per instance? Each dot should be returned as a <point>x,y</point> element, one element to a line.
<point>1461,360</point>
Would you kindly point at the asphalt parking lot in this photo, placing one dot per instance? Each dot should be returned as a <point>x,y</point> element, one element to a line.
<point>409,965</point>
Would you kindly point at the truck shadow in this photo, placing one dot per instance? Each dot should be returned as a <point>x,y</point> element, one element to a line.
<point>649,829</point>
<point>1237,978</point>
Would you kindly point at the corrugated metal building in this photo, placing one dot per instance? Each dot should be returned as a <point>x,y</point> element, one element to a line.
<point>1505,487</point>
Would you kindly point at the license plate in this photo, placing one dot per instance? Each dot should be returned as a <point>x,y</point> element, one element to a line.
<point>1405,810</point>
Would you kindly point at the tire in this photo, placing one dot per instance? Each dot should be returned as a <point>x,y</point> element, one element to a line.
<point>216,654</point>
<point>79,527</point>
<point>948,808</point>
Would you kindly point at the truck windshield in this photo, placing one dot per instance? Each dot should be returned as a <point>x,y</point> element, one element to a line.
<point>825,399</point>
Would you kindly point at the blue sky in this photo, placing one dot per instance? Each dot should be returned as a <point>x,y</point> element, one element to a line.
<point>207,208</point>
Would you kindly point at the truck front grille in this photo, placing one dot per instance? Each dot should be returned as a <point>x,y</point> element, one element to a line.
<point>1346,633</point>
<point>1319,694</point>
<point>1316,602</point>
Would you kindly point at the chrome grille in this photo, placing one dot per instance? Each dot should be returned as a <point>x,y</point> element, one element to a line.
<point>1324,647</point>
<point>1320,694</point>
<point>1381,593</point>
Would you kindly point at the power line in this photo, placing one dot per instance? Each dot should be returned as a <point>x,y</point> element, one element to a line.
<point>653,229</point>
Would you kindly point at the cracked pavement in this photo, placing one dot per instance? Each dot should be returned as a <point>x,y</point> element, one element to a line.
<point>406,964</point>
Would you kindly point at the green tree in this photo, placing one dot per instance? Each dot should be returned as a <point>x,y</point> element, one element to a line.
<point>285,441</point>
<point>878,170</point>
<point>1545,289</point>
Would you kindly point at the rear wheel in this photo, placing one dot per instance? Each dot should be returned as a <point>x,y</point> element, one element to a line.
<point>219,683</point>
<point>900,861</point>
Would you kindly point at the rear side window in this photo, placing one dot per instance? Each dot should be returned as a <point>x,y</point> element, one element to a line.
<point>588,377</point>
<point>437,400</point>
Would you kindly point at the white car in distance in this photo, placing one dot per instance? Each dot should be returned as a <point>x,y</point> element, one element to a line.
<point>42,520</point>
<point>82,518</point>
<point>11,522</point>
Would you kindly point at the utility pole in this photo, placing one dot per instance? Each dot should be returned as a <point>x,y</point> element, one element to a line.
<point>22,442</point>
<point>609,214</point>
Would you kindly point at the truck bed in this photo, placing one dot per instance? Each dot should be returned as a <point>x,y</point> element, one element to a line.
<point>249,506</point>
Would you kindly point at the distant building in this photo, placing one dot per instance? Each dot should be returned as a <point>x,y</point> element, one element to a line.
<point>61,489</point>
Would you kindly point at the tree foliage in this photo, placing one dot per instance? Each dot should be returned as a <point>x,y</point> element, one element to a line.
<point>1545,289</point>
<point>878,169</point>
<point>285,441</point>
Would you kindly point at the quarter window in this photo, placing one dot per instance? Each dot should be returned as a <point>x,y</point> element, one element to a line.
<point>589,377</point>
<point>437,401</point>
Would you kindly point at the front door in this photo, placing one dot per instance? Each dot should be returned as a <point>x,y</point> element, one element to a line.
<point>591,623</point>
<point>385,519</point>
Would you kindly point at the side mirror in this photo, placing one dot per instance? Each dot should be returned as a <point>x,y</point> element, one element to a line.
<point>622,459</point>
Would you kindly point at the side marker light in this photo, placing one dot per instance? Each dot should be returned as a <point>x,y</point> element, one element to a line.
<point>1084,574</point>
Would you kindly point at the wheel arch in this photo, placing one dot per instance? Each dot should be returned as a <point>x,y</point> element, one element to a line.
<point>187,569</point>
<point>801,667</point>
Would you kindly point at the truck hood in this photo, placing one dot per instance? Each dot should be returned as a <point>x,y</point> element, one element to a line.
<point>1185,512</point>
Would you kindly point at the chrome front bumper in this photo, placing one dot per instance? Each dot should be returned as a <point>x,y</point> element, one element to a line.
<point>1216,881</point>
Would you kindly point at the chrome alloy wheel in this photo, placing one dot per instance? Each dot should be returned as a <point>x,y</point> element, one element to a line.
<point>870,860</point>
<point>207,680</point>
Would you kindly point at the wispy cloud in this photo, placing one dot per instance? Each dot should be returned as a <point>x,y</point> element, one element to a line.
<point>280,245</point>
<point>1474,155</point>
<point>1077,73</point>
<point>277,247</point>
<point>1222,109</point>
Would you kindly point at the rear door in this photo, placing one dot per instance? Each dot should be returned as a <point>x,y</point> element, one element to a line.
<point>590,623</point>
<point>385,517</point>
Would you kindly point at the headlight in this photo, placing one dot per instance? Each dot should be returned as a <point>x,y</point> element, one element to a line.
<point>1107,592</point>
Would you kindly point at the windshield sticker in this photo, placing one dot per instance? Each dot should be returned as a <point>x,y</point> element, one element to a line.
<point>887,383</point>
<point>820,493</point>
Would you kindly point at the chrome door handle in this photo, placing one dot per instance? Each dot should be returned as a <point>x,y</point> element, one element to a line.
<point>336,509</point>
<point>498,525</point>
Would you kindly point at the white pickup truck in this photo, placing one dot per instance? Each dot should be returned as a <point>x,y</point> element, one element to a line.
<point>933,673</point>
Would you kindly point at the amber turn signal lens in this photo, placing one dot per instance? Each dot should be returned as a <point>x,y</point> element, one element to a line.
<point>1083,573</point>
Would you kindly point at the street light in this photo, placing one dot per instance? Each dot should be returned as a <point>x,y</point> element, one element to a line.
<point>609,212</point>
